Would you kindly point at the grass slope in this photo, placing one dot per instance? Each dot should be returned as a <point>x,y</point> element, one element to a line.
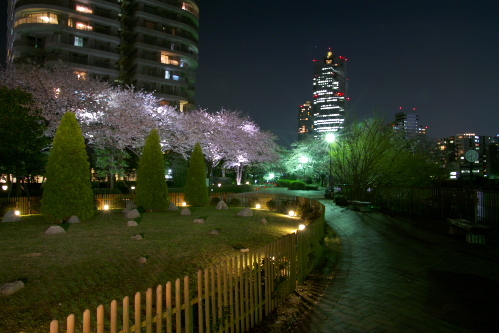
<point>96,261</point>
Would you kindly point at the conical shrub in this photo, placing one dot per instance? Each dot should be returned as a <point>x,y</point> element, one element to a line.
<point>196,190</point>
<point>152,190</point>
<point>68,188</point>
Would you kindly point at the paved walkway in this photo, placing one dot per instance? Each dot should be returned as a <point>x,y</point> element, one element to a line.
<point>406,274</point>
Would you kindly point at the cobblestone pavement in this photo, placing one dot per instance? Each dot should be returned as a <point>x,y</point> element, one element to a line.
<point>401,273</point>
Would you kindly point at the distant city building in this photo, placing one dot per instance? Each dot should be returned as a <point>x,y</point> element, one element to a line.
<point>453,156</point>
<point>305,121</point>
<point>151,45</point>
<point>492,155</point>
<point>330,94</point>
<point>408,123</point>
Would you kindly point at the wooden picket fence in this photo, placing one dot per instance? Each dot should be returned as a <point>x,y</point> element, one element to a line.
<point>231,296</point>
<point>31,205</point>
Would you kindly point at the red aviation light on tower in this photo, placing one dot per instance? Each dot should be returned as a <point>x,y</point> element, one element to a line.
<point>414,109</point>
<point>400,108</point>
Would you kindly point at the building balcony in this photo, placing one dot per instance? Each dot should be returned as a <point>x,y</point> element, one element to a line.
<point>161,14</point>
<point>90,64</point>
<point>160,79</point>
<point>59,3</point>
<point>92,47</point>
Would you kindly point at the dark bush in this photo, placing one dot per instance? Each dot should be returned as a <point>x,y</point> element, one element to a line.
<point>5,207</point>
<point>340,200</point>
<point>307,213</point>
<point>234,202</point>
<point>176,190</point>
<point>124,187</point>
<point>297,185</point>
<point>283,183</point>
<point>287,206</point>
<point>271,204</point>
<point>215,200</point>
<point>232,188</point>
<point>311,188</point>
<point>106,191</point>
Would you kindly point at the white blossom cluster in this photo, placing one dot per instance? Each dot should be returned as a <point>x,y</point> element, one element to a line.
<point>115,117</point>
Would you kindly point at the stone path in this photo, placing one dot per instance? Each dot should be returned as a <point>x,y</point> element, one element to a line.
<point>406,274</point>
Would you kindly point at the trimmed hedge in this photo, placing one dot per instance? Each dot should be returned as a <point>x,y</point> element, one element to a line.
<point>107,191</point>
<point>297,185</point>
<point>231,188</point>
<point>283,183</point>
<point>216,189</point>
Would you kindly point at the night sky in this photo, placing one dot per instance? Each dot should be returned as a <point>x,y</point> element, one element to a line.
<point>441,57</point>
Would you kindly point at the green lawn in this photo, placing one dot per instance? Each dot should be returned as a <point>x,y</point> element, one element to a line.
<point>95,262</point>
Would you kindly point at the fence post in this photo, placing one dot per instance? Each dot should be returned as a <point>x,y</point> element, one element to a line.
<point>126,315</point>
<point>100,319</point>
<point>137,313</point>
<point>187,305</point>
<point>70,325</point>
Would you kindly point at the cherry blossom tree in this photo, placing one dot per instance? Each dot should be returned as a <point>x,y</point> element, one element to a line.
<point>226,137</point>
<point>115,118</point>
<point>250,145</point>
<point>55,90</point>
<point>112,118</point>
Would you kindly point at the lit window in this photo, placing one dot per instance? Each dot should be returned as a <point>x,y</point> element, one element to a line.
<point>81,75</point>
<point>164,58</point>
<point>83,26</point>
<point>78,41</point>
<point>84,9</point>
<point>43,17</point>
<point>167,75</point>
<point>190,8</point>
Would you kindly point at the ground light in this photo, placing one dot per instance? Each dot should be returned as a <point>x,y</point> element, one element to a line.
<point>5,187</point>
<point>106,207</point>
<point>291,213</point>
<point>184,204</point>
<point>18,213</point>
<point>301,227</point>
<point>257,206</point>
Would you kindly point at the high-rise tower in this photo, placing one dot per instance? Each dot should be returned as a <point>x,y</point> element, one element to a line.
<point>408,123</point>
<point>330,94</point>
<point>150,44</point>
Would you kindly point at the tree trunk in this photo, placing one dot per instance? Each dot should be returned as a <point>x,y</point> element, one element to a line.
<point>18,181</point>
<point>209,166</point>
<point>239,174</point>
<point>111,179</point>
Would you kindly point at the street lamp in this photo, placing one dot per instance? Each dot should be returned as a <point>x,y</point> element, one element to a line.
<point>330,138</point>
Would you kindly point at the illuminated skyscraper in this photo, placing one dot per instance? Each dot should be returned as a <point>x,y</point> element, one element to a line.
<point>152,45</point>
<point>330,94</point>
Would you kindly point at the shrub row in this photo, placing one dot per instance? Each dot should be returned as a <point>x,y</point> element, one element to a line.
<point>292,184</point>
<point>216,189</point>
